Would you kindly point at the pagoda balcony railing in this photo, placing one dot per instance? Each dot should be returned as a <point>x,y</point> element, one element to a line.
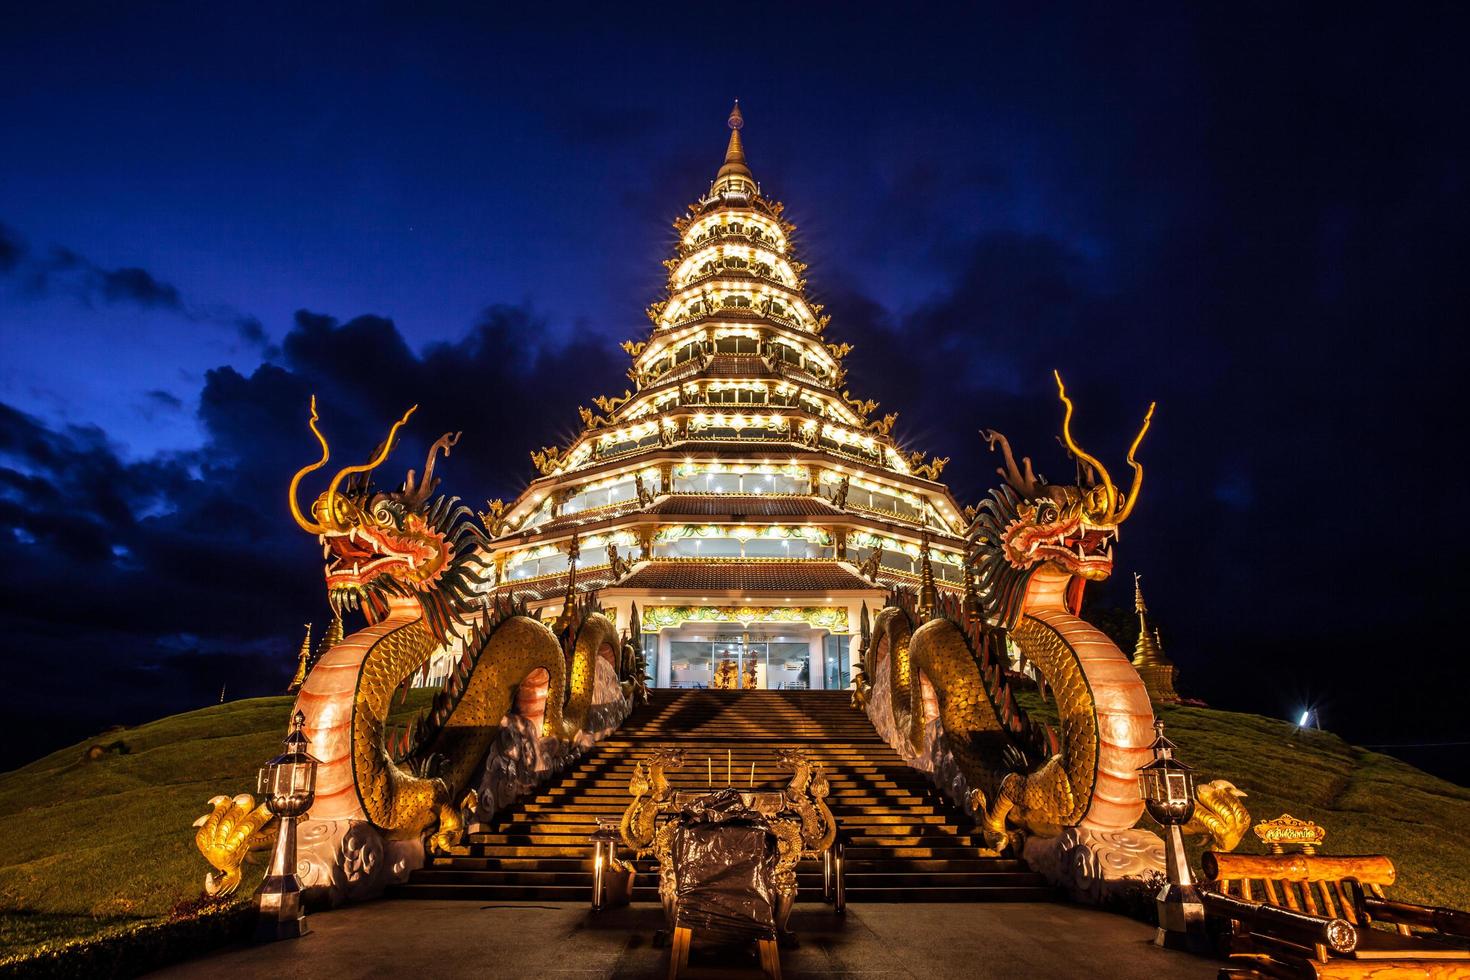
<point>918,520</point>
<point>595,571</point>
<point>722,435</point>
<point>727,272</point>
<point>742,313</point>
<point>701,361</point>
<point>722,233</point>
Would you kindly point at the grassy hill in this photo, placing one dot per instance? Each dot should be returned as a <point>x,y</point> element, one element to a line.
<point>91,848</point>
<point>96,847</point>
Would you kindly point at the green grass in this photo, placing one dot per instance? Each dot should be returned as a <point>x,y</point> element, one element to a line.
<point>101,847</point>
<point>104,847</point>
<point>1369,803</point>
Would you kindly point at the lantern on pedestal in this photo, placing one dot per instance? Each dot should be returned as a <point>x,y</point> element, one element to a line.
<point>1167,788</point>
<point>288,784</point>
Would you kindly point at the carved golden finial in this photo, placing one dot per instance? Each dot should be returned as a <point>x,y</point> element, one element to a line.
<point>547,459</point>
<point>616,562</point>
<point>839,496</point>
<point>493,517</point>
<point>929,470</point>
<point>862,407</point>
<point>303,659</point>
<point>610,405</point>
<point>645,496</point>
<point>884,426</point>
<point>633,348</point>
<point>735,152</point>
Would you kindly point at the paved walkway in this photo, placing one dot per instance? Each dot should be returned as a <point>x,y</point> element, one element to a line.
<point>469,939</point>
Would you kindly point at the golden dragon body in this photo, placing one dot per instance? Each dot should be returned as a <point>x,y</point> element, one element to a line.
<point>1034,546</point>
<point>410,561</point>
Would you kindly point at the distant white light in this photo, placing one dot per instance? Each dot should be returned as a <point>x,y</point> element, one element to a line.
<point>1302,721</point>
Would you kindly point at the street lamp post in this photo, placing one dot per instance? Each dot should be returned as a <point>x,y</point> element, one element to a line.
<point>288,783</point>
<point>1167,788</point>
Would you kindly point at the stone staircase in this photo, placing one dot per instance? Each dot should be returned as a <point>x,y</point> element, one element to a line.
<point>906,843</point>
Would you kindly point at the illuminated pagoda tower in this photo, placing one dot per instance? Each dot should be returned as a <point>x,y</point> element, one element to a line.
<point>1158,671</point>
<point>738,495</point>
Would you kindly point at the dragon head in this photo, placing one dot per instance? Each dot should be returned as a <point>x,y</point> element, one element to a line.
<point>379,543</point>
<point>1029,525</point>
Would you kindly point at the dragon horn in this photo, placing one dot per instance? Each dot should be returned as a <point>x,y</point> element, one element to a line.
<point>310,527</point>
<point>1132,497</point>
<point>422,488</point>
<point>370,465</point>
<point>1093,461</point>
<point>1026,482</point>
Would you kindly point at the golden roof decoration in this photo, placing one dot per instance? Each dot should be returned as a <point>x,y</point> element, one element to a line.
<point>735,152</point>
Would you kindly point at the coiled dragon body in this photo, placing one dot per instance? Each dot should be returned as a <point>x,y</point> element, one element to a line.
<point>411,562</point>
<point>1033,547</point>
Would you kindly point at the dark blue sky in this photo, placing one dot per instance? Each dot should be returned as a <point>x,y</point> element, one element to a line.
<point>1254,214</point>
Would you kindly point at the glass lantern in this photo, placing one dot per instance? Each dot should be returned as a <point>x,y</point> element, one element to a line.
<point>1166,784</point>
<point>288,782</point>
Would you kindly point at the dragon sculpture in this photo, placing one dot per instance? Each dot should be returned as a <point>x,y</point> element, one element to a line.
<point>228,834</point>
<point>1033,547</point>
<point>410,560</point>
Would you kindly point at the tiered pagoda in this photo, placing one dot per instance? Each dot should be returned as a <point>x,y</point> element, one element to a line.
<point>738,496</point>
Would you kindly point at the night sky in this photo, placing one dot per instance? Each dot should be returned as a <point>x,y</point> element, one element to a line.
<point>1256,215</point>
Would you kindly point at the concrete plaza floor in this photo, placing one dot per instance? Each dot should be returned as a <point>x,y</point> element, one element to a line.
<point>472,939</point>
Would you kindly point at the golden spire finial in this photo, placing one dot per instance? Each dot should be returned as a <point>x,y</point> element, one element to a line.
<point>1156,670</point>
<point>303,657</point>
<point>735,152</point>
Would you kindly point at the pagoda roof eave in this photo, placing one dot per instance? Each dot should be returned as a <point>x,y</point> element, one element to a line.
<point>675,454</point>
<point>743,579</point>
<point>764,373</point>
<point>560,530</point>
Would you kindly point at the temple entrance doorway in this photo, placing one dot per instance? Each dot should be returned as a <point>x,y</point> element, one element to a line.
<point>743,661</point>
<point>765,657</point>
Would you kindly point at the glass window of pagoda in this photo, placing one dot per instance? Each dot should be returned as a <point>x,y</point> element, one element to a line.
<point>733,547</point>
<point>737,345</point>
<point>552,564</point>
<point>626,446</point>
<point>835,663</point>
<point>734,396</point>
<point>540,515</point>
<point>947,567</point>
<point>742,483</point>
<point>601,497</point>
<point>873,500</point>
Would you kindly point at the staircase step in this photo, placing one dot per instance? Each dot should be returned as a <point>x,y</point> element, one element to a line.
<point>906,843</point>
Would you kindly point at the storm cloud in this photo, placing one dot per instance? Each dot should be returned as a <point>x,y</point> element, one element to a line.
<point>140,587</point>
